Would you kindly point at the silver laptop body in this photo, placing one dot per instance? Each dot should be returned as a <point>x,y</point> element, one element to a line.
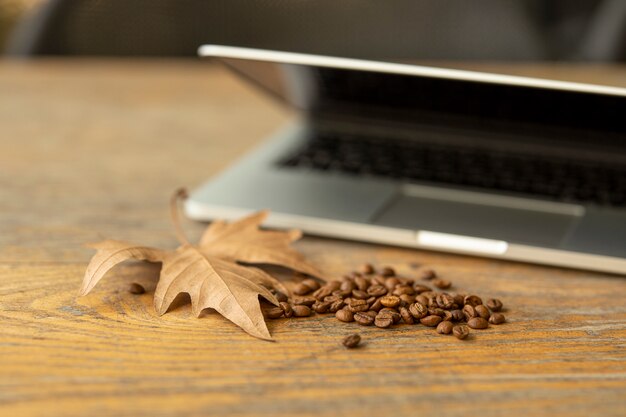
<point>466,162</point>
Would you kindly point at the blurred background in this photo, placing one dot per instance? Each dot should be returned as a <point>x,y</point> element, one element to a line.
<point>496,30</point>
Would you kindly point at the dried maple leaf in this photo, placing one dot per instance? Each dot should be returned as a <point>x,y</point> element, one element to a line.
<point>210,274</point>
<point>243,241</point>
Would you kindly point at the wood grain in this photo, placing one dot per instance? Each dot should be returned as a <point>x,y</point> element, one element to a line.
<point>93,149</point>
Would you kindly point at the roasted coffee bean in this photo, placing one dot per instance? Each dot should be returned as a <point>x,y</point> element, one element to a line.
<point>457,315</point>
<point>445,327</point>
<point>391,283</point>
<point>336,306</point>
<point>430,321</point>
<point>342,293</point>
<point>447,315</point>
<point>461,331</point>
<point>419,289</point>
<point>323,292</point>
<point>379,279</point>
<point>469,312</point>
<point>427,274</point>
<point>392,313</point>
<point>367,269</point>
<point>304,301</point>
<point>388,271</point>
<point>418,310</point>
<point>442,284</point>
<point>459,299</point>
<point>390,301</point>
<point>311,283</point>
<point>377,290</point>
<point>371,313</point>
<point>357,305</point>
<point>497,318</point>
<point>274,313</point>
<point>136,289</point>
<point>345,315</point>
<point>363,319</point>
<point>362,283</point>
<point>302,289</point>
<point>407,299</point>
<point>301,311</point>
<point>321,307</point>
<point>287,309</point>
<point>477,323</point>
<point>436,311</point>
<point>445,301</point>
<point>422,299</point>
<point>383,321</point>
<point>482,311</point>
<point>377,305</point>
<point>472,300</point>
<point>348,286</point>
<point>361,295</point>
<point>333,285</point>
<point>494,304</point>
<point>281,297</point>
<point>352,341</point>
<point>334,297</point>
<point>406,315</point>
<point>403,289</point>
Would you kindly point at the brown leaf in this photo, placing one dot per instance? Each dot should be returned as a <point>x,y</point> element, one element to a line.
<point>111,253</point>
<point>243,241</point>
<point>231,289</point>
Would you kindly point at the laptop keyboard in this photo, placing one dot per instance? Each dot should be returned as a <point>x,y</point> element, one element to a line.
<point>549,178</point>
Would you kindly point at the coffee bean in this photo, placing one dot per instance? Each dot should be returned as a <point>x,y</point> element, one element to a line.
<point>442,284</point>
<point>482,311</point>
<point>461,331</point>
<point>431,321</point>
<point>362,283</point>
<point>390,301</point>
<point>406,315</point>
<point>392,313</point>
<point>407,299</point>
<point>336,306</point>
<point>301,311</point>
<point>447,315</point>
<point>469,312</point>
<point>497,318</point>
<point>321,307</point>
<point>322,292</point>
<point>472,300</point>
<point>348,286</point>
<point>457,315</point>
<point>345,315</point>
<point>287,309</point>
<point>477,323</point>
<point>357,305</point>
<point>136,289</point>
<point>459,299</point>
<point>388,271</point>
<point>391,283</point>
<point>352,341</point>
<point>371,313</point>
<point>436,311</point>
<point>418,310</point>
<point>377,306</point>
<point>445,300</point>
<point>363,319</point>
<point>422,299</point>
<point>367,269</point>
<point>281,297</point>
<point>427,274</point>
<point>445,327</point>
<point>377,290</point>
<point>302,289</point>
<point>333,285</point>
<point>311,283</point>
<point>403,289</point>
<point>494,304</point>
<point>361,295</point>
<point>383,321</point>
<point>342,293</point>
<point>304,301</point>
<point>274,312</point>
<point>419,289</point>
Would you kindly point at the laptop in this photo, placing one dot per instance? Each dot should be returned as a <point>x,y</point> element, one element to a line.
<point>467,162</point>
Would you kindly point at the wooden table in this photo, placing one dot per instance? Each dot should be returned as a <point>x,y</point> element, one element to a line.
<point>90,150</point>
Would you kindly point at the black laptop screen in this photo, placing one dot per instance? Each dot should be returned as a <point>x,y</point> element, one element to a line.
<point>450,102</point>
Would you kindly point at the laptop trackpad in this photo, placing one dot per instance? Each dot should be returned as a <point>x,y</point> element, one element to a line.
<point>481,215</point>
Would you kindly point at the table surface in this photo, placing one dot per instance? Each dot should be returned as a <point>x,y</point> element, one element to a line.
<point>93,149</point>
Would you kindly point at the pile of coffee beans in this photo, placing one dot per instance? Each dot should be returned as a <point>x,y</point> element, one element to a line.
<point>380,298</point>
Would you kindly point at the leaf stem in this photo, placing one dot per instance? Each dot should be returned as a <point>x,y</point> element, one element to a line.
<point>181,194</point>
